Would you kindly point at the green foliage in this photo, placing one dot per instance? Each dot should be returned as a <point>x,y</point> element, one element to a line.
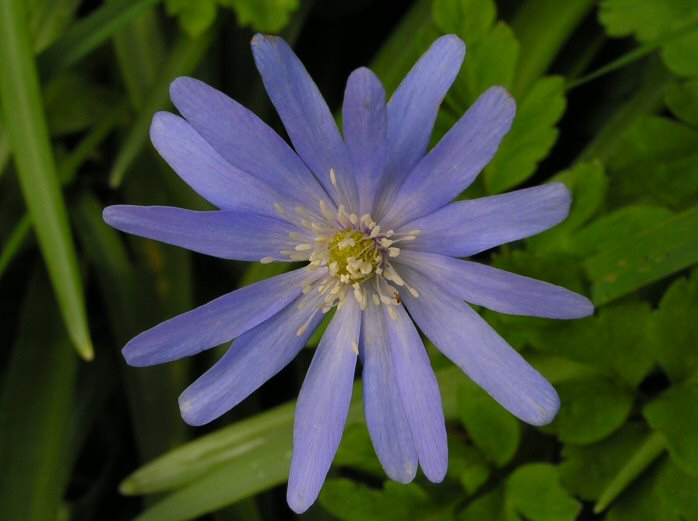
<point>622,444</point>
<point>491,428</point>
<point>655,19</point>
<point>261,15</point>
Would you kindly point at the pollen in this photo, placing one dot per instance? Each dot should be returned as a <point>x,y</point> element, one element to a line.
<point>353,256</point>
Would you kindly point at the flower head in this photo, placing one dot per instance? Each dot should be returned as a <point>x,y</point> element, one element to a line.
<point>371,215</point>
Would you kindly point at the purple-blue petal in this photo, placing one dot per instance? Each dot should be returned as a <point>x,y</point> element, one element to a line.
<point>216,322</point>
<point>470,343</point>
<point>226,234</point>
<point>322,408</point>
<point>385,415</point>
<point>211,176</point>
<point>497,289</point>
<point>305,115</point>
<point>413,108</point>
<point>465,228</point>
<point>420,394</point>
<point>456,160</point>
<point>250,361</point>
<point>364,117</point>
<point>244,140</point>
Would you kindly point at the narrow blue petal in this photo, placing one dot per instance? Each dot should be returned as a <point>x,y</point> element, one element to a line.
<point>253,358</point>
<point>497,289</point>
<point>322,408</point>
<point>385,416</point>
<point>244,140</point>
<point>420,395</point>
<point>470,343</point>
<point>465,228</point>
<point>364,117</point>
<point>229,235</point>
<point>305,115</point>
<point>218,321</point>
<point>413,108</point>
<point>456,160</point>
<point>211,176</point>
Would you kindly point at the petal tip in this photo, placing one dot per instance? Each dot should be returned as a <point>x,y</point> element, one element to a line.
<point>297,502</point>
<point>545,413</point>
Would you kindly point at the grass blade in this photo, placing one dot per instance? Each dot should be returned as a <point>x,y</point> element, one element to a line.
<point>89,34</point>
<point>35,412</point>
<point>28,134</point>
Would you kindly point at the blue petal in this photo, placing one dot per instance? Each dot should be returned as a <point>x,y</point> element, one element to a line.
<point>420,394</point>
<point>305,115</point>
<point>211,176</point>
<point>229,235</point>
<point>253,358</point>
<point>322,408</point>
<point>413,108</point>
<point>364,117</point>
<point>456,160</point>
<point>467,340</point>
<point>385,416</point>
<point>221,320</point>
<point>244,140</point>
<point>497,289</point>
<point>465,228</point>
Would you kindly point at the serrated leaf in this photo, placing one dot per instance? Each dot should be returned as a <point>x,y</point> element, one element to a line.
<point>586,470</point>
<point>467,464</point>
<point>588,184</point>
<point>656,161</point>
<point>682,100</point>
<point>614,341</point>
<point>263,15</point>
<point>673,329</point>
<point>531,137</point>
<point>469,19</point>
<point>608,231</point>
<point>488,507</point>
<point>194,17</point>
<point>491,428</point>
<point>675,415</point>
<point>590,410</point>
<point>535,493</point>
<point>668,246</point>
<point>655,19</point>
<point>491,61</point>
<point>351,501</point>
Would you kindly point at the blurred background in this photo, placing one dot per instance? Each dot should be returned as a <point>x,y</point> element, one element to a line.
<point>607,97</point>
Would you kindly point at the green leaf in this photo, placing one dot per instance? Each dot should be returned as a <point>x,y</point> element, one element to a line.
<point>491,428</point>
<point>531,137</point>
<point>356,451</point>
<point>194,17</point>
<point>35,412</point>
<point>656,160</point>
<point>656,19</point>
<point>590,410</point>
<point>668,246</point>
<point>263,15</point>
<point>652,448</point>
<point>588,184</point>
<point>682,100</point>
<point>351,501</point>
<point>27,129</point>
<point>491,61</point>
<point>587,470</point>
<point>606,232</point>
<point>469,19</point>
<point>534,492</point>
<point>672,330</point>
<point>488,507</point>
<point>467,464</point>
<point>674,414</point>
<point>613,341</point>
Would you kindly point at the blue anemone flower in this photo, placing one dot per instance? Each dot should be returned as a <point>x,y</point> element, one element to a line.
<point>371,215</point>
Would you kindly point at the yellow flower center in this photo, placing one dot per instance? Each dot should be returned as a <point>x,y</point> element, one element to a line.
<point>353,256</point>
